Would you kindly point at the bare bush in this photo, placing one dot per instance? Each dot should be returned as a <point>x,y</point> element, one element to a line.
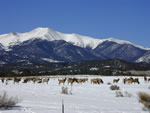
<point>144,98</point>
<point>108,83</point>
<point>114,87</point>
<point>7,102</point>
<point>123,94</point>
<point>119,94</point>
<point>64,90</point>
<point>127,94</point>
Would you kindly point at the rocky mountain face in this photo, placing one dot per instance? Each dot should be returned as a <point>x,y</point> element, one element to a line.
<point>44,45</point>
<point>144,58</point>
<point>113,50</point>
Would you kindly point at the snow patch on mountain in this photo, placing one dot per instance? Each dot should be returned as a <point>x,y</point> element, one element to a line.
<point>81,41</point>
<point>144,58</point>
<point>50,60</point>
<point>2,62</point>
<point>126,42</point>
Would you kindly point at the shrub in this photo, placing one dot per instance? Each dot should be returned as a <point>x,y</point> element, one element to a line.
<point>144,98</point>
<point>64,90</point>
<point>7,102</point>
<point>119,94</point>
<point>126,94</point>
<point>114,87</point>
<point>123,94</point>
<point>108,83</point>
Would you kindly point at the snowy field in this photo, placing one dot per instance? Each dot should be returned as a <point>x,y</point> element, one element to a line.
<point>82,98</point>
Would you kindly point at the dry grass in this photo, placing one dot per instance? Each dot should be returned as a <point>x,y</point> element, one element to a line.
<point>119,94</point>
<point>7,102</point>
<point>64,90</point>
<point>114,87</point>
<point>122,94</point>
<point>144,98</point>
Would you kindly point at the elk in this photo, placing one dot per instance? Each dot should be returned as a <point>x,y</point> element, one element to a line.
<point>86,79</point>
<point>145,78</point>
<point>9,78</point>
<point>79,81</point>
<point>36,79</point>
<point>131,80</point>
<point>17,80</point>
<point>62,81</point>
<point>2,79</point>
<point>100,81</point>
<point>116,80</point>
<point>124,80</point>
<point>46,80</point>
<point>71,80</point>
<point>26,80</point>
<point>136,80</point>
<point>97,81</point>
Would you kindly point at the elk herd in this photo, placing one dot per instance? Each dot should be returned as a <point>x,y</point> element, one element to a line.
<point>24,79</point>
<point>73,80</point>
<point>69,80</point>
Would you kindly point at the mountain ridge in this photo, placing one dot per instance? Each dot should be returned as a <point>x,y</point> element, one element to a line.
<point>46,45</point>
<point>49,34</point>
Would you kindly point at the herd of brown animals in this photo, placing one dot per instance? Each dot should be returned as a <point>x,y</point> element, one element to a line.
<point>73,80</point>
<point>24,80</point>
<point>69,80</point>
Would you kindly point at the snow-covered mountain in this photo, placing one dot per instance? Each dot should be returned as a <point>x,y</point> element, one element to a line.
<point>48,34</point>
<point>45,43</point>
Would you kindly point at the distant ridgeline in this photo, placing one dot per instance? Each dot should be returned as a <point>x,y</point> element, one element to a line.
<point>93,67</point>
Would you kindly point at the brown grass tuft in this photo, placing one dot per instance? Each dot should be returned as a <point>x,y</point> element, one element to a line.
<point>144,98</point>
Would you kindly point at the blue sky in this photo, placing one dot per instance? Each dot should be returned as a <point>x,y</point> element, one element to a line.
<point>121,19</point>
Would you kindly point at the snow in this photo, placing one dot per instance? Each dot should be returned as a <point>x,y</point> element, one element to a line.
<point>107,66</point>
<point>50,60</point>
<point>82,41</point>
<point>93,68</point>
<point>85,97</point>
<point>2,62</point>
<point>126,42</point>
<point>144,58</point>
<point>11,39</point>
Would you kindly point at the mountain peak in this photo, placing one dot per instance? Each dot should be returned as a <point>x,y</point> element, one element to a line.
<point>38,32</point>
<point>41,29</point>
<point>13,33</point>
